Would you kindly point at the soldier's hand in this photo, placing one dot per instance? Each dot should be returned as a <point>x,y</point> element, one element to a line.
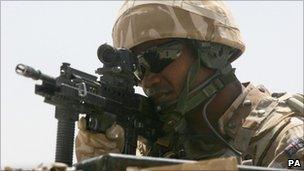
<point>89,144</point>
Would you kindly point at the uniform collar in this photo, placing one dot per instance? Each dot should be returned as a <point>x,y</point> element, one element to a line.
<point>246,88</point>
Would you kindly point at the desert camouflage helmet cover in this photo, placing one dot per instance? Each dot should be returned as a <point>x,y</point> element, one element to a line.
<point>142,21</point>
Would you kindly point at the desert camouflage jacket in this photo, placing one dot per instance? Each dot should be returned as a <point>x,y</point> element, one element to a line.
<point>267,128</point>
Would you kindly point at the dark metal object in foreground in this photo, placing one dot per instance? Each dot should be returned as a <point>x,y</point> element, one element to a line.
<point>105,101</point>
<point>119,162</point>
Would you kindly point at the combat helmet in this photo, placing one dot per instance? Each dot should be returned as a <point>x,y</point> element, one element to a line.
<point>142,21</point>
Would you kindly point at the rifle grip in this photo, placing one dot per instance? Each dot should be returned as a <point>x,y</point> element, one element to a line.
<point>65,141</point>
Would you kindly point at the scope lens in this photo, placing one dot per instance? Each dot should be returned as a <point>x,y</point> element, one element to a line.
<point>106,54</point>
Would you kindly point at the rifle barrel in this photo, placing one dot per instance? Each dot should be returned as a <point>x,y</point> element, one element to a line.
<point>30,72</point>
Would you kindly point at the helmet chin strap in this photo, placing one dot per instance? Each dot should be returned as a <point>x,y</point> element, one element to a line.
<point>173,114</point>
<point>210,55</point>
<point>190,99</point>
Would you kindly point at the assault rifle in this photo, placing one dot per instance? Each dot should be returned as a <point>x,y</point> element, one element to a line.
<point>105,101</point>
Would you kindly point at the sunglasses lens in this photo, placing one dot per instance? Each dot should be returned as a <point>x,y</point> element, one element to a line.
<point>169,51</point>
<point>142,67</point>
<point>155,59</point>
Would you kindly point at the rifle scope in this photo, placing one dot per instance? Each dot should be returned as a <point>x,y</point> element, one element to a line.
<point>121,59</point>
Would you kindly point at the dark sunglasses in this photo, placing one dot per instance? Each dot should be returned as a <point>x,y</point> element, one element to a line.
<point>156,58</point>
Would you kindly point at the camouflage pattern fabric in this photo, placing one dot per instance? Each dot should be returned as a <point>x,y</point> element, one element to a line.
<point>89,144</point>
<point>265,127</point>
<point>142,21</point>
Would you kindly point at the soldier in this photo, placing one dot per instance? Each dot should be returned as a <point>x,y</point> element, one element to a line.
<point>185,50</point>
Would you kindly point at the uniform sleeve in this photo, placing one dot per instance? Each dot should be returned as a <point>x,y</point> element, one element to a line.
<point>289,145</point>
<point>287,148</point>
<point>89,144</point>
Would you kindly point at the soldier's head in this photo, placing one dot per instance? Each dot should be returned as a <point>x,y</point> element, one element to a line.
<point>182,46</point>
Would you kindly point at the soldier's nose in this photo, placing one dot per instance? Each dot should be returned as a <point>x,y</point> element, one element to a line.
<point>150,80</point>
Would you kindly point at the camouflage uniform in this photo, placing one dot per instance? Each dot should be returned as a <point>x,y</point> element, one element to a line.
<point>267,128</point>
<point>90,144</point>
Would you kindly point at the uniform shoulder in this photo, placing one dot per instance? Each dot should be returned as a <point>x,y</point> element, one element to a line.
<point>275,122</point>
<point>260,116</point>
<point>254,105</point>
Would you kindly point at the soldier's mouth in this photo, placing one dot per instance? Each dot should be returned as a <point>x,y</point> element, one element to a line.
<point>159,95</point>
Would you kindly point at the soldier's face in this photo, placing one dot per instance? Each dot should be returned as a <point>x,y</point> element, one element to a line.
<point>166,85</point>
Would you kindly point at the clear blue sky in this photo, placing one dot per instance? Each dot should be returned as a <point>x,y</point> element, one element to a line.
<point>45,34</point>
